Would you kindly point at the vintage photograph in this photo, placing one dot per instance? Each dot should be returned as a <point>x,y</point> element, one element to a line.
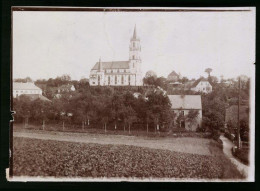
<point>133,94</point>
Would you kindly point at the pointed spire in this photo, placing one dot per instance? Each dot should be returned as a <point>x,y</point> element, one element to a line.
<point>134,35</point>
<point>100,64</point>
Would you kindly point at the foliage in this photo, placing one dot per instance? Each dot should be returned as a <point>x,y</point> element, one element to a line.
<point>242,154</point>
<point>208,71</point>
<point>192,117</point>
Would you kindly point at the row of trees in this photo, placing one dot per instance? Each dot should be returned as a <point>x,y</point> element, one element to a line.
<point>103,108</point>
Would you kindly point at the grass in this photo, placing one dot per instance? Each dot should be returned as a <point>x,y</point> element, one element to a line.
<point>228,168</point>
<point>34,157</point>
<point>112,131</point>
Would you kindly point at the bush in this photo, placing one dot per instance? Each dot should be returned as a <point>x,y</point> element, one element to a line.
<point>242,154</point>
<point>215,135</point>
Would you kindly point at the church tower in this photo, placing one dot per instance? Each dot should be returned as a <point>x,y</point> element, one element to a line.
<point>135,58</point>
<point>135,52</point>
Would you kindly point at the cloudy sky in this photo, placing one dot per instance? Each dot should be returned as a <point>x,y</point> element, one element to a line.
<point>49,44</point>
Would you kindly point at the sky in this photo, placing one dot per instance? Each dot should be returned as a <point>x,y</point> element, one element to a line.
<point>49,44</point>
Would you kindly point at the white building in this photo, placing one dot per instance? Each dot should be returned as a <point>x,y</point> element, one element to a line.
<point>182,104</point>
<point>120,73</point>
<point>28,88</point>
<point>202,85</point>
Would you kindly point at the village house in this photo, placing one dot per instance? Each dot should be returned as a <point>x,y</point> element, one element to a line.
<point>29,89</point>
<point>182,105</point>
<point>173,77</point>
<point>120,73</point>
<point>202,85</point>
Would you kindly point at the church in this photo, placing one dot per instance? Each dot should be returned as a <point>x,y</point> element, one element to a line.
<point>120,73</point>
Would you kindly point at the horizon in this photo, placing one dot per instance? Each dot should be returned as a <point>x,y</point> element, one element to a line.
<point>170,41</point>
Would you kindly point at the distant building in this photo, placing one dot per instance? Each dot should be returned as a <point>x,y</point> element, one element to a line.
<point>28,89</point>
<point>182,104</point>
<point>202,85</point>
<point>120,73</point>
<point>66,88</point>
<point>173,77</point>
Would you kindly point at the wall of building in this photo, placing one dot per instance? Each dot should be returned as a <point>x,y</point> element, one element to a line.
<point>17,93</point>
<point>188,126</point>
<point>204,87</point>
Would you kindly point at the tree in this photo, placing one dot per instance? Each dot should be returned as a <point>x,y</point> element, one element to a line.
<point>192,118</point>
<point>23,80</point>
<point>208,71</point>
<point>22,107</point>
<point>131,117</point>
<point>184,80</point>
<point>40,110</point>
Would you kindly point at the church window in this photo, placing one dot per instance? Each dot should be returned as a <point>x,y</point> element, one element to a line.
<point>129,80</point>
<point>134,44</point>
<point>98,80</point>
<point>108,80</point>
<point>115,79</point>
<point>122,79</point>
<point>133,57</point>
<point>111,71</point>
<point>125,70</point>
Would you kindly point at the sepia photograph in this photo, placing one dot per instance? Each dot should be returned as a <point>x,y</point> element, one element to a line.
<point>133,94</point>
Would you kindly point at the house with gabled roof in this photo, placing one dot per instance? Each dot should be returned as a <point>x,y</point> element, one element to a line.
<point>182,105</point>
<point>28,89</point>
<point>173,76</point>
<point>202,85</point>
<point>20,88</point>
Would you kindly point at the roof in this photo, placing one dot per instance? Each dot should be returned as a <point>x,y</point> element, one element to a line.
<point>25,86</point>
<point>185,101</point>
<point>112,65</point>
<point>173,73</point>
<point>36,96</point>
<point>200,80</point>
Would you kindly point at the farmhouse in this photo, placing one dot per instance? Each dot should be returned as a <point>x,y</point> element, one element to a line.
<point>173,77</point>
<point>29,89</point>
<point>202,85</point>
<point>120,73</point>
<point>182,105</point>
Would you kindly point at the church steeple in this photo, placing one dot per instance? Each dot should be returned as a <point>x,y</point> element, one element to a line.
<point>100,64</point>
<point>134,35</point>
<point>135,47</point>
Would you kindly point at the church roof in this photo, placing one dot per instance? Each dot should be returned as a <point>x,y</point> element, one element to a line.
<point>185,101</point>
<point>25,86</point>
<point>112,65</point>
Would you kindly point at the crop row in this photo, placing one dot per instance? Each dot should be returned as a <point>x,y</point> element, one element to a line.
<point>34,157</point>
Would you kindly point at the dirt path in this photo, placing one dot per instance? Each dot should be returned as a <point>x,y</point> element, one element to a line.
<point>185,144</point>
<point>227,145</point>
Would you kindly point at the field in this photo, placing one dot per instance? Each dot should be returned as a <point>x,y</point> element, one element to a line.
<point>34,157</point>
